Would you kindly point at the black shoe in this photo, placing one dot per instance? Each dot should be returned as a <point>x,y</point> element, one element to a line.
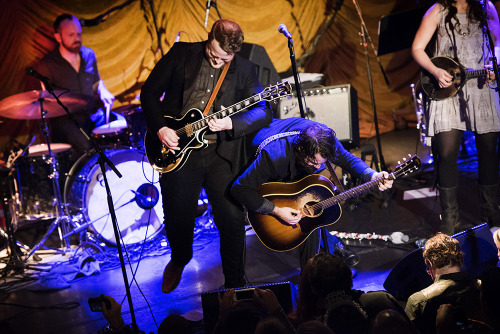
<point>349,257</point>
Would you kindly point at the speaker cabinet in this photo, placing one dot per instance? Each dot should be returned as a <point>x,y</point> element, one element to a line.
<point>265,69</point>
<point>409,275</point>
<point>334,106</point>
<point>210,302</point>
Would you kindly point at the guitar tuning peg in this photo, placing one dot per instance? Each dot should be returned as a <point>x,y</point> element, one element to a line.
<point>409,155</point>
<point>399,162</point>
<point>404,159</point>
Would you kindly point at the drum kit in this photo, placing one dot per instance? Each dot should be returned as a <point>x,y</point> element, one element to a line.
<point>76,201</point>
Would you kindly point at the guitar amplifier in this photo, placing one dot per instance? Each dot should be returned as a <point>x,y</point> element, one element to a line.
<point>334,106</point>
<point>210,302</point>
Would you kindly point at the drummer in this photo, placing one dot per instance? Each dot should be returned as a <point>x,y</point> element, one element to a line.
<point>74,67</point>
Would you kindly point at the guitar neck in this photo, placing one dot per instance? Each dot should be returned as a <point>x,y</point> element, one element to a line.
<point>470,74</point>
<point>353,192</point>
<point>235,108</point>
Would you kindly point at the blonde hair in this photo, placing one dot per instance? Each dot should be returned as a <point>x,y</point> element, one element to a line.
<point>496,237</point>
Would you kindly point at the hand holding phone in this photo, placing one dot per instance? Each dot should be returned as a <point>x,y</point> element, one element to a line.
<point>96,303</point>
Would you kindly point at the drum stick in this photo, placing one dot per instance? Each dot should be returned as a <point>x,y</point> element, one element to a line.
<point>108,108</point>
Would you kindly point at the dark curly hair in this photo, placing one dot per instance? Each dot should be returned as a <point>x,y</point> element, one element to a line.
<point>316,138</point>
<point>442,250</point>
<point>228,34</point>
<point>474,11</point>
<point>321,275</point>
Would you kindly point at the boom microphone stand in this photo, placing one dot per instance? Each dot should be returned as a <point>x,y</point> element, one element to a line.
<point>282,28</point>
<point>490,43</point>
<point>365,39</point>
<point>103,160</point>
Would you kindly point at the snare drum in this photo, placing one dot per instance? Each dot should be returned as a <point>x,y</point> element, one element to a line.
<point>34,180</point>
<point>114,133</point>
<point>136,196</point>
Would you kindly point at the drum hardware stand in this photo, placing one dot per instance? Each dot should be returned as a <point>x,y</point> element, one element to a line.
<point>103,160</point>
<point>84,226</point>
<point>15,264</point>
<point>62,220</point>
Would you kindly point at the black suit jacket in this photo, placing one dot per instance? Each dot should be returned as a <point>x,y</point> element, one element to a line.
<point>175,75</point>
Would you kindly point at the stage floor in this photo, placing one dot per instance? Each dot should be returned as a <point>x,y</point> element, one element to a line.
<point>412,210</point>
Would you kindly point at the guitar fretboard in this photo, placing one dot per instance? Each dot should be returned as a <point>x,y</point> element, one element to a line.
<point>191,128</point>
<point>469,74</point>
<point>354,191</point>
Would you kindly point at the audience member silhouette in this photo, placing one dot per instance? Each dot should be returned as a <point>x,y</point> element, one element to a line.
<point>390,321</point>
<point>443,259</point>
<point>175,324</point>
<point>314,327</point>
<point>243,316</point>
<point>326,283</point>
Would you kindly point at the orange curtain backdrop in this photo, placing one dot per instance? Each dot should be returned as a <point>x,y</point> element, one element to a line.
<point>127,46</point>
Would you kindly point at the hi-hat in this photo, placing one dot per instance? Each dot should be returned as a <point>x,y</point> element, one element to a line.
<point>27,105</point>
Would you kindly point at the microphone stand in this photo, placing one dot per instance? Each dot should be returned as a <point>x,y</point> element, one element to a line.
<point>103,160</point>
<point>213,4</point>
<point>365,36</point>
<point>298,88</point>
<point>486,31</point>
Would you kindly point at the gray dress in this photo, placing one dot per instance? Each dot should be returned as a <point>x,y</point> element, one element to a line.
<point>476,107</point>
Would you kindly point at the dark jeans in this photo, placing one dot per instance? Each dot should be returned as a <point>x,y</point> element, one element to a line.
<point>180,191</point>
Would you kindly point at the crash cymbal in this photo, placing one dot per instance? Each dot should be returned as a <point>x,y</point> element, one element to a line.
<point>27,105</point>
<point>42,149</point>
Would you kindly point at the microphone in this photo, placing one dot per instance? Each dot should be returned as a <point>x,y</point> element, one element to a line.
<point>178,36</point>
<point>143,201</point>
<point>282,29</point>
<point>32,72</point>
<point>209,4</point>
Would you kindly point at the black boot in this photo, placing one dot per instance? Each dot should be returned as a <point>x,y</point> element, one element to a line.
<point>490,213</point>
<point>450,220</point>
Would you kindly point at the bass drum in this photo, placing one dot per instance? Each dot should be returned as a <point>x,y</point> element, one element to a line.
<point>136,196</point>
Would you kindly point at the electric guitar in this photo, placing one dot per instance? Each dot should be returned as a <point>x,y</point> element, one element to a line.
<point>192,127</point>
<point>314,195</point>
<point>460,76</point>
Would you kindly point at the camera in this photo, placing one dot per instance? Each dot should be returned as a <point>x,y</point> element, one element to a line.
<point>243,294</point>
<point>95,303</point>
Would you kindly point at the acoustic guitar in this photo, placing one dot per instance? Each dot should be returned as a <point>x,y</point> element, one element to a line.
<point>459,73</point>
<point>192,127</point>
<point>315,196</point>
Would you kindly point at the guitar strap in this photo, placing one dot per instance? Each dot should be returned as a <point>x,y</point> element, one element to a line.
<point>274,137</point>
<point>333,176</point>
<point>216,89</point>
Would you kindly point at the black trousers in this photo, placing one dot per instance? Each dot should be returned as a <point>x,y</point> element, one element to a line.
<point>180,191</point>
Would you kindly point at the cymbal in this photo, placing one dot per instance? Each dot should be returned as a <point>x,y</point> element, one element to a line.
<point>26,105</point>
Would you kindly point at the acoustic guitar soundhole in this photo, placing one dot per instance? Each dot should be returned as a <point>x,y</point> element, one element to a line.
<point>312,209</point>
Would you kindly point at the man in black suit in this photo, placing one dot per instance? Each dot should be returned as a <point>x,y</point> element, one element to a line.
<point>186,76</point>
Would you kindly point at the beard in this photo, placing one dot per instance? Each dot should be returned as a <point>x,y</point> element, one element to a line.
<point>305,168</point>
<point>73,48</point>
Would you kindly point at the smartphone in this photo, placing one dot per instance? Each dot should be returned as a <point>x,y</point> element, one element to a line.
<point>243,294</point>
<point>95,303</point>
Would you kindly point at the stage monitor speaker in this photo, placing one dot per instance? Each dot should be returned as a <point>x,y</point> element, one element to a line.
<point>410,276</point>
<point>210,302</point>
<point>265,69</point>
<point>334,106</point>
